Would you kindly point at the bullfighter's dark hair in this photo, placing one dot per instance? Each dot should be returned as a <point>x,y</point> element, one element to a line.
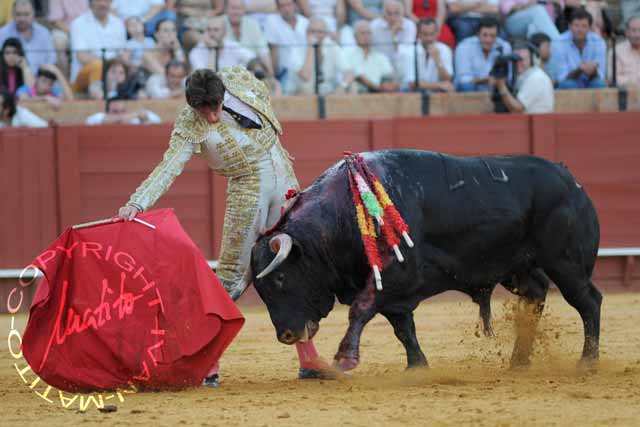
<point>204,88</point>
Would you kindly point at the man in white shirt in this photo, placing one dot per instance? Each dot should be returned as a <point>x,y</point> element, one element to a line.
<point>246,32</point>
<point>117,114</point>
<point>533,88</point>
<point>367,65</point>
<point>392,31</point>
<point>285,31</point>
<point>215,52</point>
<point>90,33</point>
<point>434,63</point>
<point>16,116</point>
<point>331,63</point>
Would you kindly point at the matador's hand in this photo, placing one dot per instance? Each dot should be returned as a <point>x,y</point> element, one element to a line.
<point>128,212</point>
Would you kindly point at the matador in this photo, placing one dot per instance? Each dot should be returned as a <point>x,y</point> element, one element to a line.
<point>230,121</point>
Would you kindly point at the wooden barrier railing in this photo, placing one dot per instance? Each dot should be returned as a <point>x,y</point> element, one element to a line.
<point>368,106</point>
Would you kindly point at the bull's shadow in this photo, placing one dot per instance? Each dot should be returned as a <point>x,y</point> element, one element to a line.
<point>514,220</point>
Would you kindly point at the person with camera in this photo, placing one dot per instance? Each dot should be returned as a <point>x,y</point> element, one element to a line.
<point>533,90</point>
<point>475,56</point>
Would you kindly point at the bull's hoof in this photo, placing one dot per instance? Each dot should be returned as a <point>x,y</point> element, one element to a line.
<point>520,362</point>
<point>346,363</point>
<point>213,381</point>
<point>588,365</point>
<point>317,374</point>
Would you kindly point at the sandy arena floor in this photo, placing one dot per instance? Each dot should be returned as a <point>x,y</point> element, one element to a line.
<point>469,382</point>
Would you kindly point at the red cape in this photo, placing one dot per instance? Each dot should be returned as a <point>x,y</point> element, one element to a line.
<point>124,304</point>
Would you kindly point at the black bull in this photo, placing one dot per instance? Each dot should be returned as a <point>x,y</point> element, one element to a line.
<point>475,222</point>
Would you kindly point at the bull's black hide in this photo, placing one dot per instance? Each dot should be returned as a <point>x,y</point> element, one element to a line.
<point>515,220</point>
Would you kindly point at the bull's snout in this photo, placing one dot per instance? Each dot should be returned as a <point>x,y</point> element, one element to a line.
<point>288,337</point>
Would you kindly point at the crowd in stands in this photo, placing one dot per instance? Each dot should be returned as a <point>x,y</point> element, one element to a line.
<point>125,49</point>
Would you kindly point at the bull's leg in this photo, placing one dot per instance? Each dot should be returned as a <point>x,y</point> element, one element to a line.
<point>482,297</point>
<point>405,330</point>
<point>532,287</point>
<point>360,313</point>
<point>581,294</point>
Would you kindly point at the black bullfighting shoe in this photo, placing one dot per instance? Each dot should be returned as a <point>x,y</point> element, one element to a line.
<point>213,381</point>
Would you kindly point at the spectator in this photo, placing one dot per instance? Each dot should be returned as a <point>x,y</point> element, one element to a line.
<point>368,66</point>
<point>628,55</point>
<point>167,48</point>
<point>333,12</point>
<point>474,56</point>
<point>5,11</point>
<point>194,16</point>
<point>542,43</point>
<point>246,32</point>
<point>216,53</point>
<point>595,9</point>
<point>260,71</point>
<point>61,13</point>
<point>116,75</point>
<point>434,64</point>
<point>465,15</point>
<point>15,115</point>
<point>330,61</point>
<point>436,9</point>
<point>117,112</point>
<point>533,88</point>
<point>285,31</point>
<point>35,38</point>
<point>260,9</point>
<point>45,87</point>
<point>14,68</point>
<point>391,31</point>
<point>170,84</point>
<point>148,11</point>
<point>137,44</point>
<point>579,55</point>
<point>363,9</point>
<point>629,9</point>
<point>523,18</point>
<point>90,33</point>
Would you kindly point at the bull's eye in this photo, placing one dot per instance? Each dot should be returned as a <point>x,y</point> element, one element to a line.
<point>279,281</point>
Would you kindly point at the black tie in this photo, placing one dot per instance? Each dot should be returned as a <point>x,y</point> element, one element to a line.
<point>243,121</point>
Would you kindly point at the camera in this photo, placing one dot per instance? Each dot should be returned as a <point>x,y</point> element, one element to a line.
<point>500,69</point>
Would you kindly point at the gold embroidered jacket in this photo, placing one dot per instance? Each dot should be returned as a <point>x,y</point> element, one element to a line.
<point>236,149</point>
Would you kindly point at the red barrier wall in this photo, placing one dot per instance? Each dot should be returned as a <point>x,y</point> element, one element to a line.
<point>53,178</point>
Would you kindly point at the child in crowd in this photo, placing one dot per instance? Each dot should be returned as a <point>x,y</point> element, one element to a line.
<point>45,87</point>
<point>137,43</point>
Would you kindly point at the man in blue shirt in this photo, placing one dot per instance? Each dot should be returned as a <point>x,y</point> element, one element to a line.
<point>579,55</point>
<point>35,38</point>
<point>475,56</point>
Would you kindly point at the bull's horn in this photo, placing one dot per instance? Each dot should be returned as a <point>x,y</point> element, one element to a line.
<point>281,243</point>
